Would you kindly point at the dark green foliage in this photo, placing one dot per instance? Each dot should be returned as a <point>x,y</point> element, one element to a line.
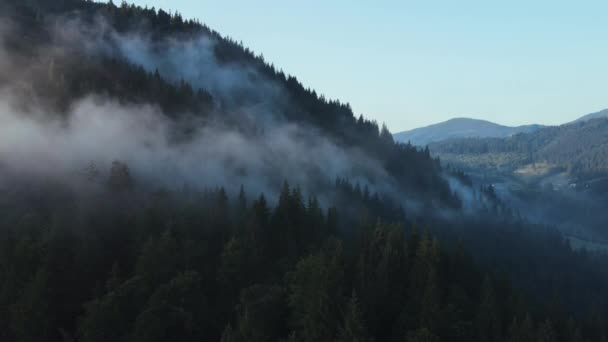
<point>522,330</point>
<point>354,329</point>
<point>422,335</point>
<point>110,317</point>
<point>120,177</point>
<point>62,80</point>
<point>546,333</point>
<point>176,311</point>
<point>580,148</point>
<point>315,294</point>
<point>123,262</point>
<point>31,315</point>
<point>488,321</point>
<point>370,282</point>
<point>260,314</point>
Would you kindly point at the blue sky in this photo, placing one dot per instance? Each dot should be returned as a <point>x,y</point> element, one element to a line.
<point>414,63</point>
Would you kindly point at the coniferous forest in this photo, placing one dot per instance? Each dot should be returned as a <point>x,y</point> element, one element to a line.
<point>159,181</point>
<point>578,148</point>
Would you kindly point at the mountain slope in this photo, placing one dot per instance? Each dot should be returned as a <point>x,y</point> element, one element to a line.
<point>556,175</point>
<point>596,115</point>
<point>198,91</point>
<point>143,168</point>
<point>579,148</point>
<point>460,128</point>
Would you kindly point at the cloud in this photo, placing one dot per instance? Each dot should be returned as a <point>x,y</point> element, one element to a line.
<point>38,143</point>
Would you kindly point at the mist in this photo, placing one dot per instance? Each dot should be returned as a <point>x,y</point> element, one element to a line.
<point>99,130</point>
<point>37,143</point>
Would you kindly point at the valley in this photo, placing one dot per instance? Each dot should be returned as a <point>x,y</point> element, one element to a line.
<point>543,174</point>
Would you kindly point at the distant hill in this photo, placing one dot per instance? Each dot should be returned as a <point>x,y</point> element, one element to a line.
<point>460,128</point>
<point>579,148</point>
<point>596,115</point>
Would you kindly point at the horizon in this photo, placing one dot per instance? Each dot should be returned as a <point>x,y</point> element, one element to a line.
<point>423,65</point>
<point>501,124</point>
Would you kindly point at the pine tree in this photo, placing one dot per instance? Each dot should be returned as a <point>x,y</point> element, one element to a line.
<point>314,295</point>
<point>353,328</point>
<point>31,313</point>
<point>488,320</point>
<point>120,177</point>
<point>176,311</point>
<point>261,314</point>
<point>159,259</point>
<point>234,271</point>
<point>241,210</point>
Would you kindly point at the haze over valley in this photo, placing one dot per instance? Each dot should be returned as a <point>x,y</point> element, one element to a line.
<point>549,174</point>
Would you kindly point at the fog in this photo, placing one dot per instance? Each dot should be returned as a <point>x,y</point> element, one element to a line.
<point>37,143</point>
<point>100,130</point>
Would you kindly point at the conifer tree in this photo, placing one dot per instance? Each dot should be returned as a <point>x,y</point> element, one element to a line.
<point>353,329</point>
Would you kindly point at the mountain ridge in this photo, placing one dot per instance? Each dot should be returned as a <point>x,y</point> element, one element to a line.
<point>596,115</point>
<point>579,148</point>
<point>460,127</point>
<point>465,127</point>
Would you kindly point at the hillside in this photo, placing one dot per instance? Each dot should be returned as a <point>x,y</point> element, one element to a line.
<point>580,149</point>
<point>556,175</point>
<point>460,128</point>
<point>210,91</point>
<point>597,115</point>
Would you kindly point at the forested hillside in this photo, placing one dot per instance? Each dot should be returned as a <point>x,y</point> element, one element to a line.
<point>119,265</point>
<point>161,182</point>
<point>579,148</point>
<point>201,81</point>
<point>556,175</point>
<point>602,114</point>
<point>460,128</point>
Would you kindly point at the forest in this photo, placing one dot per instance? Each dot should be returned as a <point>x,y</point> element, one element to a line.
<point>120,264</point>
<point>145,203</point>
<point>578,148</point>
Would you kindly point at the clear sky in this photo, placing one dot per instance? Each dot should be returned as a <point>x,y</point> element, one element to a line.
<point>414,63</point>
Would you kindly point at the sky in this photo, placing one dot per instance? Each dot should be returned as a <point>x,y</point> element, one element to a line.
<point>414,63</point>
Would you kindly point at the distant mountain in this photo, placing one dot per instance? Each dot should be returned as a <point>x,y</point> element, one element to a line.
<point>596,115</point>
<point>460,128</point>
<point>579,148</point>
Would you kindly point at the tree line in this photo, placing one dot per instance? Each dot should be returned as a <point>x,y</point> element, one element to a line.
<point>124,264</point>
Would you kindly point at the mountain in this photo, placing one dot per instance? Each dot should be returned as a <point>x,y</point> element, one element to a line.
<point>159,181</point>
<point>192,90</point>
<point>460,128</point>
<point>556,175</point>
<point>596,115</point>
<point>580,149</point>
